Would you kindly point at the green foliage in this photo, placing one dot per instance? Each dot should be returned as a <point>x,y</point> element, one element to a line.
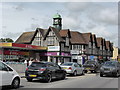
<point>6,40</point>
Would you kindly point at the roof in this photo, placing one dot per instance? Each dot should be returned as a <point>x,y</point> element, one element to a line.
<point>63,33</point>
<point>99,41</point>
<point>108,44</point>
<point>77,38</point>
<point>57,15</point>
<point>87,37</point>
<point>56,33</point>
<point>26,37</point>
<point>42,31</point>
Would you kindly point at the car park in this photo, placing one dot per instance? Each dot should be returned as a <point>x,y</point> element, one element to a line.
<point>91,65</point>
<point>110,68</point>
<point>44,71</point>
<point>73,68</point>
<point>8,76</point>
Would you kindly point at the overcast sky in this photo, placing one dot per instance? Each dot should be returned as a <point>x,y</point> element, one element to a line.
<point>100,18</point>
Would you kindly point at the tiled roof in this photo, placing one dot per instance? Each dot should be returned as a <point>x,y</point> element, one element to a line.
<point>26,37</point>
<point>42,31</point>
<point>87,37</point>
<point>56,33</point>
<point>64,33</point>
<point>77,38</point>
<point>108,44</point>
<point>99,41</point>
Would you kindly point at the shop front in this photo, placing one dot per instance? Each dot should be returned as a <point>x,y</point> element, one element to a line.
<point>57,57</point>
<point>19,52</point>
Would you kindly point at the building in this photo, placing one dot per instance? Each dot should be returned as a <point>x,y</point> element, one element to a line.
<point>65,45</point>
<point>20,52</point>
<point>115,53</point>
<point>78,45</point>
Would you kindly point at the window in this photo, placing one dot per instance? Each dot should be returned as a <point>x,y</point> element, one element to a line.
<point>50,40</point>
<point>90,44</point>
<point>76,65</point>
<point>4,67</point>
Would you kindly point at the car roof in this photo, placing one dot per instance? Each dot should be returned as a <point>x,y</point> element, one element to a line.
<point>70,62</point>
<point>44,62</point>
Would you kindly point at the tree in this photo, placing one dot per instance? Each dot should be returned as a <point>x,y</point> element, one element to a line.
<point>6,40</point>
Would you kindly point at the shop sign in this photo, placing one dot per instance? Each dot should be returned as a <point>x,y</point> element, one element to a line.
<point>53,48</point>
<point>50,54</point>
<point>74,51</point>
<point>79,57</point>
<point>74,57</point>
<point>65,54</point>
<point>7,52</point>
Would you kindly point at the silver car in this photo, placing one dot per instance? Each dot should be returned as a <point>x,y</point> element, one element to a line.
<point>110,68</point>
<point>73,68</point>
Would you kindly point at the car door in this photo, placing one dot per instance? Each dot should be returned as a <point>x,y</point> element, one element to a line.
<point>118,66</point>
<point>58,71</point>
<point>7,74</point>
<point>52,69</point>
<point>78,68</point>
<point>0,73</point>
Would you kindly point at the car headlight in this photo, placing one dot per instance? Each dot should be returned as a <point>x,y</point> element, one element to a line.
<point>112,69</point>
<point>101,68</point>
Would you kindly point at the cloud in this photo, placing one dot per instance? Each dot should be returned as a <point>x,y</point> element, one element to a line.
<point>106,16</point>
<point>18,7</point>
<point>77,7</point>
<point>32,27</point>
<point>11,35</point>
<point>71,23</point>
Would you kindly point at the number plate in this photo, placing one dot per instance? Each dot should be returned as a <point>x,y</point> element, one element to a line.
<point>87,68</point>
<point>64,68</point>
<point>32,75</point>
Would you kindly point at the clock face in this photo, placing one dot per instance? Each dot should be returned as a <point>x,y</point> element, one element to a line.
<point>56,21</point>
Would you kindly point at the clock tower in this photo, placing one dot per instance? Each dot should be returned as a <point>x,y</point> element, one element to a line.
<point>57,21</point>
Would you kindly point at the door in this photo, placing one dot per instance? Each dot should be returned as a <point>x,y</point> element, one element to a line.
<point>58,71</point>
<point>78,68</point>
<point>7,74</point>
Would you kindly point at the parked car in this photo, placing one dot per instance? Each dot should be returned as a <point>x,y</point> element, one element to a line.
<point>91,65</point>
<point>110,68</point>
<point>8,76</point>
<point>44,71</point>
<point>73,68</point>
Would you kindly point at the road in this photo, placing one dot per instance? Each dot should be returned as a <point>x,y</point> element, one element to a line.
<point>90,80</point>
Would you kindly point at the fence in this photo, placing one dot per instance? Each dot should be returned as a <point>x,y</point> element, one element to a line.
<point>19,67</point>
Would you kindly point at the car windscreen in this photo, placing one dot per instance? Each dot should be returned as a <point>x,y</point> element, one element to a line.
<point>67,64</point>
<point>38,64</point>
<point>109,64</point>
<point>90,62</point>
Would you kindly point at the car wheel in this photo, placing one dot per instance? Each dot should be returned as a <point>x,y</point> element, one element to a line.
<point>64,76</point>
<point>117,74</point>
<point>92,71</point>
<point>75,73</point>
<point>15,83</point>
<point>101,75</point>
<point>48,78</point>
<point>85,71</point>
<point>29,79</point>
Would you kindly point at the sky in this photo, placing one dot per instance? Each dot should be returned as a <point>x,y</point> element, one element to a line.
<point>100,18</point>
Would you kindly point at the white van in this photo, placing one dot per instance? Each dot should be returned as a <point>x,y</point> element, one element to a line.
<point>8,76</point>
